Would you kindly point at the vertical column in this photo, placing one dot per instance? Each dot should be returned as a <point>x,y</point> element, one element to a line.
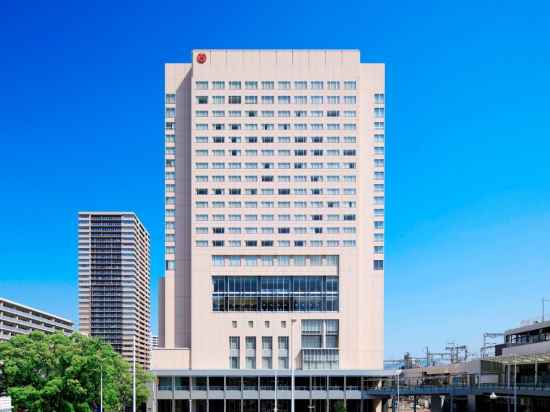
<point>173,408</point>
<point>345,396</point>
<point>326,395</point>
<point>435,403</point>
<point>224,393</point>
<point>361,405</point>
<point>207,394</point>
<point>471,403</point>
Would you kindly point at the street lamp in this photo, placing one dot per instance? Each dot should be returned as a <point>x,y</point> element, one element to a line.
<point>101,386</point>
<point>134,373</point>
<point>291,366</point>
<point>515,385</point>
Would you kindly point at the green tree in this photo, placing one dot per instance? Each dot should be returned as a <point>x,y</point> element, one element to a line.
<point>340,407</point>
<point>58,373</point>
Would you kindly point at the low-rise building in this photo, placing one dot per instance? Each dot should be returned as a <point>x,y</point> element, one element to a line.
<point>18,319</point>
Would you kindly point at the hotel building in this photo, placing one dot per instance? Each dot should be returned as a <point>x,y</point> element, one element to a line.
<point>274,230</point>
<point>113,280</point>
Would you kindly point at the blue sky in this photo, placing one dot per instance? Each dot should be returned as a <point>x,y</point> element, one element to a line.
<point>468,171</point>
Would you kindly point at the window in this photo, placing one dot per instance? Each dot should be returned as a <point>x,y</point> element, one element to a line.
<point>316,85</point>
<point>378,264</point>
<point>300,85</point>
<point>251,99</point>
<point>379,98</point>
<point>268,85</point>
<point>316,99</point>
<point>282,343</point>
<point>333,85</point>
<point>274,293</point>
<point>350,100</point>
<point>202,99</point>
<point>218,85</point>
<point>250,351</point>
<point>268,99</point>
<point>251,85</point>
<point>267,352</point>
<point>234,99</point>
<point>378,112</point>
<point>350,85</point>
<point>283,99</point>
<point>201,85</point>
<point>320,344</point>
<point>235,85</point>
<point>234,350</point>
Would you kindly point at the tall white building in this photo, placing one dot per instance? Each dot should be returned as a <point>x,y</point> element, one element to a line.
<point>274,172</point>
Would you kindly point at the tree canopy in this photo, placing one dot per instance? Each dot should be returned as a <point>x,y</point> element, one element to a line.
<point>61,373</point>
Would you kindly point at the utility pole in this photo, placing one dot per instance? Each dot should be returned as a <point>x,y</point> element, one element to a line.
<point>134,374</point>
<point>101,387</point>
<point>515,385</point>
<point>291,366</point>
<point>398,376</point>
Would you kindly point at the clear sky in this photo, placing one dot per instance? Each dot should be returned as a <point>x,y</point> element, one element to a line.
<point>468,142</point>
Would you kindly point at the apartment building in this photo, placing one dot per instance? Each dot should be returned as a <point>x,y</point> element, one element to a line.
<point>113,279</point>
<point>18,319</point>
<point>274,220</point>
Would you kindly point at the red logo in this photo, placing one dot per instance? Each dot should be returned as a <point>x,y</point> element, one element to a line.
<point>201,58</point>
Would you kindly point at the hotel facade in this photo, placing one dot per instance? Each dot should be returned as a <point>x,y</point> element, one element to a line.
<point>274,231</point>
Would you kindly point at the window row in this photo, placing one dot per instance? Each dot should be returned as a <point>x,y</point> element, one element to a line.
<point>280,179</point>
<point>204,99</point>
<point>268,204</point>
<point>171,237</point>
<point>280,84</point>
<point>275,293</point>
<point>271,243</point>
<point>275,260</point>
<point>171,200</point>
<point>281,139</point>
<point>281,165</point>
<point>171,112</point>
<point>297,218</point>
<point>271,230</point>
<point>280,152</point>
<point>271,126</point>
<point>250,353</point>
<point>280,191</point>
